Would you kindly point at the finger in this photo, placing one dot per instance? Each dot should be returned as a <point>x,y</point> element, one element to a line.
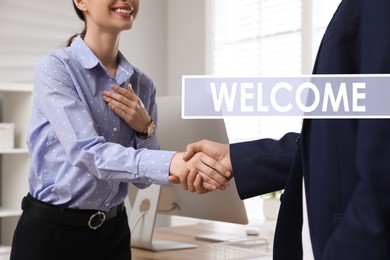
<point>173,179</point>
<point>199,186</point>
<point>121,98</point>
<point>202,187</point>
<point>208,187</point>
<point>106,96</point>
<point>191,149</point>
<point>212,184</point>
<point>125,92</point>
<point>132,95</point>
<point>191,179</point>
<point>202,163</point>
<point>130,88</point>
<point>183,178</point>
<point>217,166</point>
<point>119,108</point>
<point>207,179</point>
<point>121,104</point>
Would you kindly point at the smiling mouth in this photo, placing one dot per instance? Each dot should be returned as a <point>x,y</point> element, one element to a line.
<point>123,11</point>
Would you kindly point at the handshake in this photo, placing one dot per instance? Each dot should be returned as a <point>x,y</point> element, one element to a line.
<point>204,166</point>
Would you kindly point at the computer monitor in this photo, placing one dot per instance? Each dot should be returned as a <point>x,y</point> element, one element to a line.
<point>174,133</point>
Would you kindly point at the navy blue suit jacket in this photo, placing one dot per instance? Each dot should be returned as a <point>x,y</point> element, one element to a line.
<point>345,163</point>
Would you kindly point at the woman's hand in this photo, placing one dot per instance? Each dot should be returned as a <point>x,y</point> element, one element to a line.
<point>127,105</point>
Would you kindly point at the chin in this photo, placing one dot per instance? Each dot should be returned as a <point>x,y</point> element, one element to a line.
<point>128,27</point>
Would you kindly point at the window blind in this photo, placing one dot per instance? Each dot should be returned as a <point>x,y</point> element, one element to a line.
<point>266,38</point>
<point>29,30</point>
<point>258,37</point>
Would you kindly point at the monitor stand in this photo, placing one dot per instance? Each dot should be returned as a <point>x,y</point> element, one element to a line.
<point>142,221</point>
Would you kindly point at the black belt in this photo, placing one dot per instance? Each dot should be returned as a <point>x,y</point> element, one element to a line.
<point>66,216</point>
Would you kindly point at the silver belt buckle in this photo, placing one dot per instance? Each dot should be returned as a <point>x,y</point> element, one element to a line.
<point>102,218</point>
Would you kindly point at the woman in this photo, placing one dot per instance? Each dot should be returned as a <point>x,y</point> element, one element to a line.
<point>87,139</point>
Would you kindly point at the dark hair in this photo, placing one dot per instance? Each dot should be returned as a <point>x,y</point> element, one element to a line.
<point>80,14</point>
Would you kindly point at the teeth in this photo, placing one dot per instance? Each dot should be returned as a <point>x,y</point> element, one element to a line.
<point>124,11</point>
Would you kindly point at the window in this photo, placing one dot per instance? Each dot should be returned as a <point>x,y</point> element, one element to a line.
<point>269,38</point>
<point>38,28</point>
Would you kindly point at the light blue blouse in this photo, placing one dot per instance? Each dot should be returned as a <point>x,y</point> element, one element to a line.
<point>82,154</point>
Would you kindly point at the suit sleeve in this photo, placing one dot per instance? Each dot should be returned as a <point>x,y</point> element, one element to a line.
<point>262,166</point>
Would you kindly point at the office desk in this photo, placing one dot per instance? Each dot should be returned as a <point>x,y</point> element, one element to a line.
<point>187,234</point>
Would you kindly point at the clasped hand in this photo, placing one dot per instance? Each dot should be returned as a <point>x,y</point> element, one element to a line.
<point>211,167</point>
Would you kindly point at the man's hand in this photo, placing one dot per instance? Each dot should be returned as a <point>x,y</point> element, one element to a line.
<point>127,105</point>
<point>189,179</point>
<point>213,174</point>
<point>200,182</point>
<point>217,151</point>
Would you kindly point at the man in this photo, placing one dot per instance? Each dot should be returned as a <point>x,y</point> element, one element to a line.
<point>345,164</point>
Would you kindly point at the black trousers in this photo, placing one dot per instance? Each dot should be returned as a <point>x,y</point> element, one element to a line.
<point>35,239</point>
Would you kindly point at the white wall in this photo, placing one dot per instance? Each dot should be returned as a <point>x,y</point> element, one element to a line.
<point>145,44</point>
<point>186,41</point>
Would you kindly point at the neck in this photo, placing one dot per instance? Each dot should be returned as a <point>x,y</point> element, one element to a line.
<point>105,46</point>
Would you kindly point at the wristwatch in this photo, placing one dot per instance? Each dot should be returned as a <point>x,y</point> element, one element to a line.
<point>148,132</point>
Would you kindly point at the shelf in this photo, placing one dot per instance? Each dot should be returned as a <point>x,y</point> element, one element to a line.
<point>15,107</point>
<point>14,151</point>
<point>7,212</point>
<point>15,87</point>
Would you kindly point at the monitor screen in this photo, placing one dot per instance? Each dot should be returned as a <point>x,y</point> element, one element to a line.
<point>174,133</point>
